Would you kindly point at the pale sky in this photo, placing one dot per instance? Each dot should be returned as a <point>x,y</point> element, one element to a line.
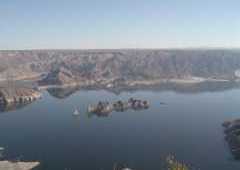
<point>97,24</point>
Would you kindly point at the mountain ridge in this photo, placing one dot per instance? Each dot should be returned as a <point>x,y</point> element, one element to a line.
<point>128,65</point>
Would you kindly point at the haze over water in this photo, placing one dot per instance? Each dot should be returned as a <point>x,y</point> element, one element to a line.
<point>188,125</point>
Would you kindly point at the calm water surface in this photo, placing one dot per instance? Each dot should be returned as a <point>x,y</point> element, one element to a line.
<point>188,125</point>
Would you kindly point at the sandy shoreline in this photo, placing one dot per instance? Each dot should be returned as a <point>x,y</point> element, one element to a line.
<point>109,84</point>
<point>133,83</point>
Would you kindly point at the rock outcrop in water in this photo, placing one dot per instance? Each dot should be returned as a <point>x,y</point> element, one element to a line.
<point>12,107</point>
<point>173,164</point>
<point>232,136</point>
<point>103,109</point>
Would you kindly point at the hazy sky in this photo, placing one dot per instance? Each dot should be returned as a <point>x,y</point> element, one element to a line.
<point>31,24</point>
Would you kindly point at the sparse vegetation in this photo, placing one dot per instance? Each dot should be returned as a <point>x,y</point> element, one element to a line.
<point>128,64</point>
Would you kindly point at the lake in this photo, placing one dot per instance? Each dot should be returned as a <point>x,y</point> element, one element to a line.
<point>188,125</point>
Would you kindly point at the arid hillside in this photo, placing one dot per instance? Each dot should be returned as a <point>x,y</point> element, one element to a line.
<point>79,65</point>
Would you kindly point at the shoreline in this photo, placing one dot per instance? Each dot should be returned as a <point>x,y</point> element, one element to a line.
<point>8,165</point>
<point>109,85</point>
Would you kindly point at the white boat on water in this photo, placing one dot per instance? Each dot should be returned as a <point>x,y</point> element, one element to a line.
<point>1,149</point>
<point>76,112</point>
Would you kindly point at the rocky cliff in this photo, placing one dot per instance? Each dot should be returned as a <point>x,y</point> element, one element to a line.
<point>67,66</point>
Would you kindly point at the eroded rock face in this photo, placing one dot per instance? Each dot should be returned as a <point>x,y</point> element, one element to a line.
<point>67,65</point>
<point>60,76</point>
<point>10,95</point>
<point>7,165</point>
<point>232,136</point>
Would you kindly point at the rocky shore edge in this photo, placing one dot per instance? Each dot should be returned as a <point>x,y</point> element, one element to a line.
<point>8,165</point>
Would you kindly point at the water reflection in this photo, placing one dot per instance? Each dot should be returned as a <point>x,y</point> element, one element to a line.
<point>137,139</point>
<point>184,88</point>
<point>12,106</point>
<point>62,93</point>
<point>99,115</point>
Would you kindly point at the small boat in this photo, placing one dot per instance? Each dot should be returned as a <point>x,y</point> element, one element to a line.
<point>76,112</point>
<point>1,149</point>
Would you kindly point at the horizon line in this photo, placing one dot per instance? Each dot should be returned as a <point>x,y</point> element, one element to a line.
<point>106,49</point>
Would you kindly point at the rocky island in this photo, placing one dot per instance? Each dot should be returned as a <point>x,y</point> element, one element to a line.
<point>103,109</point>
<point>232,136</point>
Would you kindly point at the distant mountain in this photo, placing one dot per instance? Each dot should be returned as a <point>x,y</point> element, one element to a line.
<point>68,66</point>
